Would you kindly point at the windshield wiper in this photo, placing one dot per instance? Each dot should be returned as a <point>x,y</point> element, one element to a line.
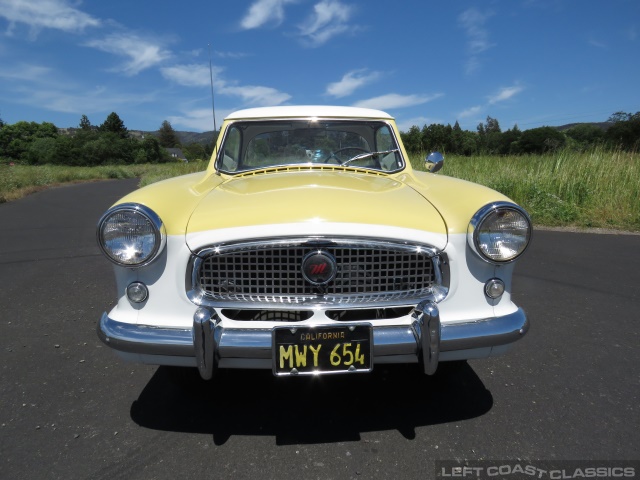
<point>362,156</point>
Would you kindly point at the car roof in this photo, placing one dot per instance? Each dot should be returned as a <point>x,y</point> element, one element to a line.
<point>304,111</point>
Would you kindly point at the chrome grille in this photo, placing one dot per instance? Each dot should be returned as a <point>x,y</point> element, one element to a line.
<point>269,271</point>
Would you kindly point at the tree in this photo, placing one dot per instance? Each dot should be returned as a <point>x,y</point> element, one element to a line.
<point>482,138</point>
<point>469,143</point>
<point>541,139</point>
<point>1,122</point>
<point>456,138</point>
<point>586,135</point>
<point>113,124</point>
<point>509,140</point>
<point>15,139</point>
<point>436,137</point>
<point>152,151</point>
<point>619,117</point>
<point>167,136</point>
<point>413,140</point>
<point>194,151</point>
<point>58,150</point>
<point>109,148</point>
<point>492,125</point>
<point>85,124</point>
<point>625,132</point>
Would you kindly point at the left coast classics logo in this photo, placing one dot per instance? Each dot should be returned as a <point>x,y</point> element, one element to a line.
<point>319,267</point>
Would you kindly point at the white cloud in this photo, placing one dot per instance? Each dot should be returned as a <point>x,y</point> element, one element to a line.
<point>597,44</point>
<point>24,72</point>
<point>255,95</point>
<point>39,14</point>
<point>329,19</point>
<point>193,75</point>
<point>350,82</point>
<point>142,53</point>
<point>470,112</point>
<point>393,100</point>
<point>232,55</point>
<point>505,94</point>
<point>471,65</point>
<point>198,76</point>
<point>98,100</point>
<point>473,22</point>
<point>199,119</point>
<point>264,11</point>
<point>72,100</point>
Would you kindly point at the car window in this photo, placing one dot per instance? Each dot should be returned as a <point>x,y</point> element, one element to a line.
<point>263,144</point>
<point>231,150</point>
<point>386,142</point>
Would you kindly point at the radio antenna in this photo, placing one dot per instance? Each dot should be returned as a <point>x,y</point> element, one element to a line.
<point>213,106</point>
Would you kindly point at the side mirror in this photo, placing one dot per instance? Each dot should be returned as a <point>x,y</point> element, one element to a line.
<point>434,162</point>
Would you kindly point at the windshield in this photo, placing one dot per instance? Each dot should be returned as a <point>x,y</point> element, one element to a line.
<point>255,145</point>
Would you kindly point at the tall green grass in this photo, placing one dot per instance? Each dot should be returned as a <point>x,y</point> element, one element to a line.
<point>598,188</point>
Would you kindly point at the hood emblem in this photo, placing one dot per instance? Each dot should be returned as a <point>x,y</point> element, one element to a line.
<point>319,267</point>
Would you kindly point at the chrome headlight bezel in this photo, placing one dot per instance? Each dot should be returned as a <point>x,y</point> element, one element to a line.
<point>487,213</point>
<point>158,232</point>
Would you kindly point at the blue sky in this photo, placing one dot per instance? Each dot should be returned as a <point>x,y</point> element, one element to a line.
<point>530,62</point>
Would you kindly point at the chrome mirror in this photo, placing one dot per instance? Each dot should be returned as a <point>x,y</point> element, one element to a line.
<point>434,162</point>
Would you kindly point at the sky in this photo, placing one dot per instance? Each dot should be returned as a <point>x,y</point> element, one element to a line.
<point>524,62</point>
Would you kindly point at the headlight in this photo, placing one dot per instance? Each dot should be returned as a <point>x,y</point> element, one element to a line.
<point>499,232</point>
<point>131,235</point>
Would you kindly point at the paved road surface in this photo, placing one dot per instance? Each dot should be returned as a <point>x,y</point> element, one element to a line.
<point>71,409</point>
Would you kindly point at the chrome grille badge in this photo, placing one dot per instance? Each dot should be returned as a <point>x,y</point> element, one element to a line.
<point>319,267</point>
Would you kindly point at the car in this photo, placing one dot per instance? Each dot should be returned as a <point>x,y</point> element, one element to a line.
<point>311,246</point>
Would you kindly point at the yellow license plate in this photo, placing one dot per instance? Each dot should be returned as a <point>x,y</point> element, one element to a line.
<point>322,349</point>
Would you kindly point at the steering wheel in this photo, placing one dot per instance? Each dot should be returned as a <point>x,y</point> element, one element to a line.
<point>334,154</point>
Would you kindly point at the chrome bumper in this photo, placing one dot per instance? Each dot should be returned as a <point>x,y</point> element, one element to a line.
<point>211,344</point>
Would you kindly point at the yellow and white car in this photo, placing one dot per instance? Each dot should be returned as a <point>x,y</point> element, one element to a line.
<point>310,246</point>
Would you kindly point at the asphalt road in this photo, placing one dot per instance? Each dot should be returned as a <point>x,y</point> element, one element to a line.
<point>70,409</point>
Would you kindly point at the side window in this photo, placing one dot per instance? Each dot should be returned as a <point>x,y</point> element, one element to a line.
<point>231,150</point>
<point>385,141</point>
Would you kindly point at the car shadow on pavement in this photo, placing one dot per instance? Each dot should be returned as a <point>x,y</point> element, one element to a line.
<point>307,410</point>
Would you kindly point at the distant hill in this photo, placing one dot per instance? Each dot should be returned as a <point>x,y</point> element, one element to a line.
<point>185,138</point>
<point>603,125</point>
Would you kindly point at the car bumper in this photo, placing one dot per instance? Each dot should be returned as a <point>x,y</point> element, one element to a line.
<point>426,340</point>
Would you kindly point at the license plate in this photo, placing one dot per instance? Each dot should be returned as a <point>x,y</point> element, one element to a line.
<point>322,349</point>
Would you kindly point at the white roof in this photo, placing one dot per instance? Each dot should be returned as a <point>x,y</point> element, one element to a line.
<point>304,111</point>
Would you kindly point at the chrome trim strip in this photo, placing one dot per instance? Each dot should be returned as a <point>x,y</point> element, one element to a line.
<point>145,340</point>
<point>484,333</point>
<point>391,341</point>
<point>318,241</point>
<point>236,343</point>
<point>256,344</point>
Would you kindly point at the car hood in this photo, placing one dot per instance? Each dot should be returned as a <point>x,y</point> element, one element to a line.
<point>335,197</point>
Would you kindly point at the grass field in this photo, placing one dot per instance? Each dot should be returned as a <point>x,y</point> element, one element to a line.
<point>592,189</point>
<point>599,188</point>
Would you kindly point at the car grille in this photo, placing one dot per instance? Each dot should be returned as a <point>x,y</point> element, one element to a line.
<point>270,271</point>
